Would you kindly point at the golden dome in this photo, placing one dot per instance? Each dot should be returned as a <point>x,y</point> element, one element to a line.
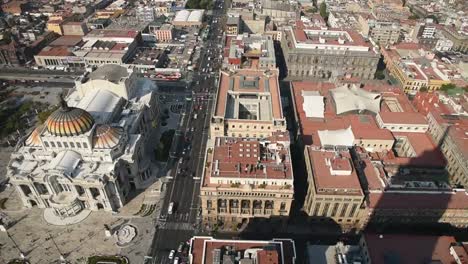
<point>107,136</point>
<point>34,139</point>
<point>69,121</point>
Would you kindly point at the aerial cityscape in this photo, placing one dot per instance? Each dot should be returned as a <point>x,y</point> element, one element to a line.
<point>233,131</point>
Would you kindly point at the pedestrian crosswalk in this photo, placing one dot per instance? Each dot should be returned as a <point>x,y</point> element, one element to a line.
<point>176,226</point>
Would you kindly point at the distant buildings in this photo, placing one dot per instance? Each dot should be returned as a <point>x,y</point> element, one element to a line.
<point>416,68</point>
<point>188,18</point>
<point>88,153</point>
<point>206,250</point>
<point>327,53</point>
<point>100,46</point>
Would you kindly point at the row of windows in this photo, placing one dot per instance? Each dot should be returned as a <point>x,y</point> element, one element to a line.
<point>254,127</point>
<point>58,144</point>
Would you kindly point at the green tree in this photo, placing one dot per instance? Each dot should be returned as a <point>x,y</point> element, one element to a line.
<point>446,87</point>
<point>379,75</point>
<point>323,11</point>
<point>42,116</point>
<point>423,89</point>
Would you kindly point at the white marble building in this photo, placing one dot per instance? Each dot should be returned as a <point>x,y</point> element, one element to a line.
<point>89,154</point>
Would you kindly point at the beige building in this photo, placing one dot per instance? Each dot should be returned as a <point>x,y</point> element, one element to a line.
<point>312,53</point>
<point>382,32</point>
<point>233,25</point>
<point>248,104</point>
<point>334,192</point>
<point>247,178</point>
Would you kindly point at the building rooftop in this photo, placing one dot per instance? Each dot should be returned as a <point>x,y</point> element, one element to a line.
<point>418,200</point>
<point>207,250</point>
<point>111,72</point>
<point>333,171</point>
<point>316,108</point>
<point>251,158</point>
<point>248,85</point>
<point>323,39</point>
<point>409,248</point>
<point>403,118</point>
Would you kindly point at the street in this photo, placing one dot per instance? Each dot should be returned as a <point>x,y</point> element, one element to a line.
<point>187,155</point>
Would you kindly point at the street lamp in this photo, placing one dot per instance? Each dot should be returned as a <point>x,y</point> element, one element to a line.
<point>21,254</point>
<point>61,257</point>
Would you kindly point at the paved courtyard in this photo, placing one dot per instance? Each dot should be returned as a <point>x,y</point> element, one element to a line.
<point>32,234</point>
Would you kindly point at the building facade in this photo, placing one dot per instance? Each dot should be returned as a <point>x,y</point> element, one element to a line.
<point>247,178</point>
<point>89,154</point>
<point>322,54</point>
<point>334,192</point>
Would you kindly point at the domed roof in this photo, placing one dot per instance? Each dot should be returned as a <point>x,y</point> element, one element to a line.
<point>106,136</point>
<point>34,139</point>
<point>69,121</point>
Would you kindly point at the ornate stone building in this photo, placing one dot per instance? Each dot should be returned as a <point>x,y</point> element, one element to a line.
<point>312,53</point>
<point>89,154</point>
<point>247,178</point>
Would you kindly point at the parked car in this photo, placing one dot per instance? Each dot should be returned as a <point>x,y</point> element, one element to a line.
<point>171,254</point>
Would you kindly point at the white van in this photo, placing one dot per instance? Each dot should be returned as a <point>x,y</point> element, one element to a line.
<point>170,209</point>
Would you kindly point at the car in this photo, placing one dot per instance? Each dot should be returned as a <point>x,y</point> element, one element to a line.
<point>176,260</point>
<point>181,247</point>
<point>171,254</point>
<point>171,208</point>
<point>192,129</point>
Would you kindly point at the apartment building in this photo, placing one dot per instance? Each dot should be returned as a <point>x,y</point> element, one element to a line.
<point>459,39</point>
<point>249,51</point>
<point>248,104</point>
<point>334,192</point>
<point>416,68</point>
<point>246,178</point>
<point>233,24</point>
<point>383,32</point>
<point>448,127</point>
<point>312,53</point>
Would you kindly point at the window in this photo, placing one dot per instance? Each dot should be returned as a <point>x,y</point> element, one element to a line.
<point>85,145</point>
<point>325,209</point>
<point>65,144</point>
<point>343,210</point>
<point>72,144</point>
<point>78,144</point>
<point>59,144</point>
<point>353,210</point>
<point>316,209</point>
<point>46,144</point>
<point>335,208</point>
<point>52,144</point>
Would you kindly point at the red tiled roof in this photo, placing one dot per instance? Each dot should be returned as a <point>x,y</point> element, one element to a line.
<point>409,248</point>
<point>403,118</point>
<point>277,250</point>
<point>393,200</point>
<point>323,177</point>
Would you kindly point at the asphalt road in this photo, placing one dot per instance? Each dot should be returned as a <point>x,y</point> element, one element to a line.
<point>188,152</point>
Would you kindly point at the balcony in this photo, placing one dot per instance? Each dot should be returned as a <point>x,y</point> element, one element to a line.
<point>268,211</point>
<point>234,210</point>
<point>258,211</point>
<point>245,211</point>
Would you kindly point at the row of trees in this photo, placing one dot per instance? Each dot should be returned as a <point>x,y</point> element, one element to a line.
<point>199,4</point>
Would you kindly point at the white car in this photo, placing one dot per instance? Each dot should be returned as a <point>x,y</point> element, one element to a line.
<point>171,254</point>
<point>176,260</point>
